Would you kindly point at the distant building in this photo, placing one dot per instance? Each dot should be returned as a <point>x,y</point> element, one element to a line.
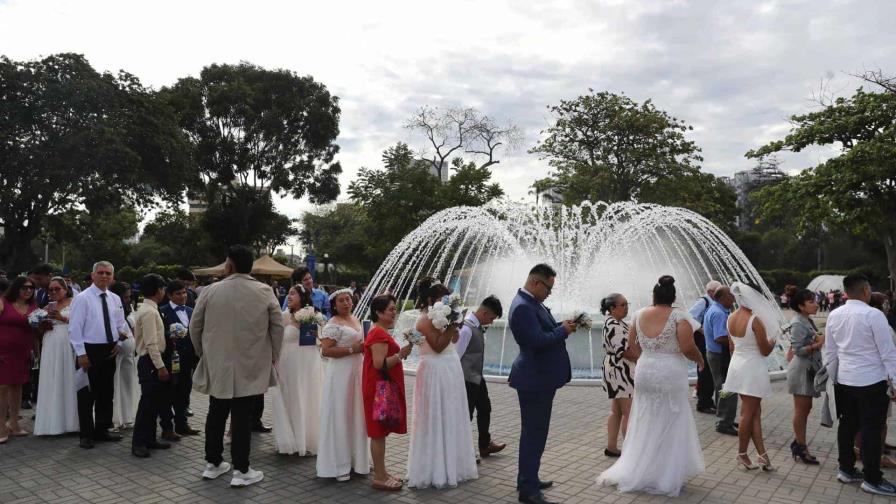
<point>197,204</point>
<point>744,183</point>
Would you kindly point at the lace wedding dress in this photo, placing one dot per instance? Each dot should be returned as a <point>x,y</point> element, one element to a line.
<point>57,399</point>
<point>441,452</point>
<point>661,449</point>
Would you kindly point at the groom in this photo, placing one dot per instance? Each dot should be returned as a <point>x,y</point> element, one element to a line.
<point>538,371</point>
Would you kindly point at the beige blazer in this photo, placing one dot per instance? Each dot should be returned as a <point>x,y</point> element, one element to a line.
<point>237,331</point>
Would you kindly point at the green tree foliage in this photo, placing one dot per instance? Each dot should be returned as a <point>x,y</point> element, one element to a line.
<point>70,135</point>
<point>405,193</point>
<point>855,190</point>
<point>257,132</point>
<point>174,237</point>
<point>341,231</point>
<point>91,235</point>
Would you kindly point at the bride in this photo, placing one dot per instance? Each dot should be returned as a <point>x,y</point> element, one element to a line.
<point>661,448</point>
<point>441,452</point>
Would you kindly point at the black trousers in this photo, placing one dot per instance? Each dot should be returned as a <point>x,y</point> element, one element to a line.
<point>477,400</point>
<point>705,384</point>
<point>240,410</point>
<point>177,400</point>
<point>152,400</point>
<point>257,409</point>
<point>97,399</point>
<point>861,409</point>
<point>535,422</point>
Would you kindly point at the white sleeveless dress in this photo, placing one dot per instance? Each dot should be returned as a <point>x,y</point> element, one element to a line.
<point>127,385</point>
<point>57,399</point>
<point>344,445</point>
<point>661,449</point>
<point>296,398</point>
<point>748,370</point>
<point>441,452</point>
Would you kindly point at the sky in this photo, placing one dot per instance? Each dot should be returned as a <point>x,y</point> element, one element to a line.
<point>735,71</point>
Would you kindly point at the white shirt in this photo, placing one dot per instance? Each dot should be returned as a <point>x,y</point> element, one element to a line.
<point>466,333</point>
<point>181,314</point>
<point>859,336</point>
<point>85,323</point>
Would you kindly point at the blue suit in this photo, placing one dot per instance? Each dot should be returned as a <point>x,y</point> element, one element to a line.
<point>181,384</point>
<point>538,371</point>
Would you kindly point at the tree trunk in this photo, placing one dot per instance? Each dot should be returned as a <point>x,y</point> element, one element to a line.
<point>890,247</point>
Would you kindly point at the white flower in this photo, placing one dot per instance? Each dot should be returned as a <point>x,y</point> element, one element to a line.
<point>307,315</point>
<point>36,317</point>
<point>177,330</point>
<point>582,320</point>
<point>412,336</point>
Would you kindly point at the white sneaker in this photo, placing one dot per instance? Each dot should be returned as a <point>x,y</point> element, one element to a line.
<point>344,477</point>
<point>212,471</point>
<point>242,479</point>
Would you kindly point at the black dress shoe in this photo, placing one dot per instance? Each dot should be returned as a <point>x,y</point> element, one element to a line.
<point>156,445</point>
<point>106,436</point>
<point>709,410</point>
<point>85,443</point>
<point>545,484</point>
<point>26,404</point>
<point>535,499</point>
<point>730,431</point>
<point>259,427</point>
<point>140,452</point>
<point>612,454</point>
<point>186,430</point>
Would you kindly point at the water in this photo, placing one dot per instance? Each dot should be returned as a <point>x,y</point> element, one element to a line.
<point>596,249</point>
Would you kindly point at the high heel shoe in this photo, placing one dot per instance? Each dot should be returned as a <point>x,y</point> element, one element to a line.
<point>745,462</point>
<point>799,452</point>
<point>765,463</point>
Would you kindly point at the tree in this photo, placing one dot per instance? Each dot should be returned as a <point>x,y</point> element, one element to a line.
<point>93,234</point>
<point>258,132</point>
<point>857,188</point>
<point>69,136</point>
<point>342,232</point>
<point>405,193</point>
<point>703,193</point>
<point>174,237</point>
<point>606,147</point>
<point>246,216</point>
<point>455,131</point>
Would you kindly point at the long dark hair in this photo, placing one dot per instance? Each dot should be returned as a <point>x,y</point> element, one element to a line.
<point>429,290</point>
<point>119,288</point>
<point>304,296</point>
<point>15,287</point>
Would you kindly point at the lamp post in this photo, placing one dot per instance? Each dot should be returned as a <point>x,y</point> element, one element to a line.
<point>327,267</point>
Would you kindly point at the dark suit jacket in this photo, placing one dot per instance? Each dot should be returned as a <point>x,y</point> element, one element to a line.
<point>184,346</point>
<point>543,362</point>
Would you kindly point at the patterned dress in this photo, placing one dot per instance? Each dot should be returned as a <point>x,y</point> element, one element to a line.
<point>619,372</point>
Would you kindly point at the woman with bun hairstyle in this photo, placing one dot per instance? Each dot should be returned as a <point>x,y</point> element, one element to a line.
<point>806,343</point>
<point>661,449</point>
<point>619,368</point>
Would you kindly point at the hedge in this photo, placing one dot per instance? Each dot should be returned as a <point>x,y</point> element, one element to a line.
<point>778,279</point>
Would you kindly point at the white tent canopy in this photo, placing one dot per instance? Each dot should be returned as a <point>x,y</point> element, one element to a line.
<point>826,283</point>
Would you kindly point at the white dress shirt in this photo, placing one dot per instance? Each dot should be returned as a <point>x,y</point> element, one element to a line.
<point>181,314</point>
<point>466,333</point>
<point>86,319</point>
<point>859,336</point>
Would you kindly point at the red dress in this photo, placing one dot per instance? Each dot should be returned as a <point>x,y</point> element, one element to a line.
<point>16,342</point>
<point>370,375</point>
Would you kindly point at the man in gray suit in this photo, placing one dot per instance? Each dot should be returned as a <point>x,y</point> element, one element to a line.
<point>237,331</point>
<point>471,348</point>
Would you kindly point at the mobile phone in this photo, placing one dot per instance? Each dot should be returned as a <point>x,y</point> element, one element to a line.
<point>578,320</point>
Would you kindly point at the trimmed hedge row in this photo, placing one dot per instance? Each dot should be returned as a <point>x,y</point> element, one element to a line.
<point>778,279</point>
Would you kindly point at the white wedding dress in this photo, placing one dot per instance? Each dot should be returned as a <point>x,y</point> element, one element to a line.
<point>57,399</point>
<point>441,452</point>
<point>748,370</point>
<point>661,449</point>
<point>296,398</point>
<point>127,386</point>
<point>344,445</point>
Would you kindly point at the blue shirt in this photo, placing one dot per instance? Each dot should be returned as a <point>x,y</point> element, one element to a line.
<point>715,326</point>
<point>701,306</point>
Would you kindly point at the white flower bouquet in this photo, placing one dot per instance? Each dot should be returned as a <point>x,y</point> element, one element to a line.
<point>582,320</point>
<point>412,336</point>
<point>36,317</point>
<point>445,312</point>
<point>177,330</point>
<point>307,315</point>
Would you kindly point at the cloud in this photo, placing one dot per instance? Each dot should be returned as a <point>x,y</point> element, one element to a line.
<point>733,70</point>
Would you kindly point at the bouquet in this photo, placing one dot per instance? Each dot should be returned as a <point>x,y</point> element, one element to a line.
<point>582,320</point>
<point>446,311</point>
<point>412,336</point>
<point>177,330</point>
<point>307,315</point>
<point>36,317</point>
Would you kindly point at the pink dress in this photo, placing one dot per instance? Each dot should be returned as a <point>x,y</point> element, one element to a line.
<point>16,342</point>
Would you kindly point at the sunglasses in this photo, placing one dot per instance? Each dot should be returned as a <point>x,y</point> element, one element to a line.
<point>27,287</point>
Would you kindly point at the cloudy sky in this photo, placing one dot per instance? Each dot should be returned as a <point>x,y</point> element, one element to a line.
<point>734,70</point>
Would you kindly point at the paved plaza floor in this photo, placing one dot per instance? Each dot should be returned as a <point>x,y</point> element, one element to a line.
<point>56,470</point>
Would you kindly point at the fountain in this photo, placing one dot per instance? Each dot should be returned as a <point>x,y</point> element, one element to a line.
<point>596,248</point>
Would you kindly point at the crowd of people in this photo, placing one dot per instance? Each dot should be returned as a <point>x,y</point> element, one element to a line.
<point>337,384</point>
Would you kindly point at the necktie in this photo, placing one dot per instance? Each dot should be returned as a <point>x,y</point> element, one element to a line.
<point>106,323</point>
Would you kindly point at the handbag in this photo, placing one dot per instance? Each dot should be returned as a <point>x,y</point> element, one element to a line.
<point>386,409</point>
